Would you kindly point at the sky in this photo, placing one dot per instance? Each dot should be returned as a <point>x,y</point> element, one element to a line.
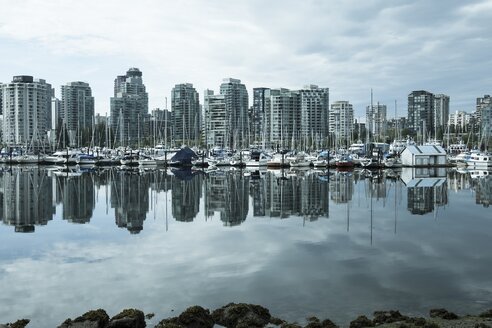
<point>351,46</point>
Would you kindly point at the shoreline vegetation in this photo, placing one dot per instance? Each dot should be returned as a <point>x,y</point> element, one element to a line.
<point>242,315</point>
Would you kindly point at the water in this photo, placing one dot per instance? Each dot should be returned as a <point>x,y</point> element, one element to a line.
<point>331,244</point>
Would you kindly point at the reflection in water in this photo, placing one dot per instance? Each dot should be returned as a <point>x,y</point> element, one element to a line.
<point>427,189</point>
<point>29,196</point>
<point>372,253</point>
<point>27,199</point>
<point>130,199</point>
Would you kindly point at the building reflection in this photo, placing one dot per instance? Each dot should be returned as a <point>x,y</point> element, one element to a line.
<point>130,199</point>
<point>342,187</point>
<point>227,194</point>
<point>426,189</point>
<point>186,194</point>
<point>76,192</point>
<point>27,198</point>
<point>30,196</point>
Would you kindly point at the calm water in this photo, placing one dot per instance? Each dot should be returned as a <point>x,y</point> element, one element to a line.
<point>331,244</point>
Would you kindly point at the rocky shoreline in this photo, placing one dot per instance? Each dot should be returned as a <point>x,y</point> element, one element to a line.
<point>241,315</point>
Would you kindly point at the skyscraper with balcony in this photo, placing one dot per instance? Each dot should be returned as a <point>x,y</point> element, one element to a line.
<point>376,122</point>
<point>77,110</point>
<point>26,105</point>
<point>283,119</point>
<point>341,121</point>
<point>129,106</point>
<point>421,112</point>
<point>314,107</point>
<point>236,101</point>
<point>185,106</point>
<point>216,120</point>
<point>482,103</point>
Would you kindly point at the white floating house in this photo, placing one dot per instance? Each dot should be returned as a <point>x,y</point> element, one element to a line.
<point>414,155</point>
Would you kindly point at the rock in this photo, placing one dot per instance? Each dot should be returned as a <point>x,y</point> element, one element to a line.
<point>92,319</point>
<point>443,314</point>
<point>316,323</point>
<point>192,317</point>
<point>391,316</point>
<point>431,325</point>
<point>360,322</point>
<point>276,321</point>
<point>242,315</point>
<point>19,323</point>
<point>481,325</point>
<point>416,321</point>
<point>128,318</point>
<point>290,325</point>
<point>486,314</point>
<point>149,315</point>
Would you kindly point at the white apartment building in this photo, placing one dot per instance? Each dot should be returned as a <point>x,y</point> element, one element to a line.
<point>341,121</point>
<point>26,105</point>
<point>459,120</point>
<point>216,123</point>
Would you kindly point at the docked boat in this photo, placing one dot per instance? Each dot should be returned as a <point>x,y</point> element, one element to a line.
<point>344,161</point>
<point>479,160</point>
<point>258,159</point>
<point>87,159</point>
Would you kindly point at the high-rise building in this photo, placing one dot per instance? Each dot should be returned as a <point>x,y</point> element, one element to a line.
<point>341,121</point>
<point>261,98</point>
<point>314,108</point>
<point>441,112</point>
<point>482,102</point>
<point>128,107</point>
<point>26,106</point>
<point>486,124</point>
<point>459,120</point>
<point>236,101</point>
<point>185,106</point>
<point>55,118</point>
<point>216,129</point>
<point>283,119</point>
<point>1,97</point>
<point>77,110</point>
<point>421,112</point>
<point>376,122</point>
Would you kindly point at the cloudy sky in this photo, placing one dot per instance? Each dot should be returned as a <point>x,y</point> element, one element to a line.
<point>350,46</point>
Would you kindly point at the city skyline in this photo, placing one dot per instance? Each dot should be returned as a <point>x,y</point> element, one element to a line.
<point>349,47</point>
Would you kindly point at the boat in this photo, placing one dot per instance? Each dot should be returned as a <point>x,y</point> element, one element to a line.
<point>392,162</point>
<point>87,159</point>
<point>28,159</point>
<point>479,160</point>
<point>258,159</point>
<point>344,161</point>
<point>299,160</point>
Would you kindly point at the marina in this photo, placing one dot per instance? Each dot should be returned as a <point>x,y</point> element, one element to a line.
<point>360,239</point>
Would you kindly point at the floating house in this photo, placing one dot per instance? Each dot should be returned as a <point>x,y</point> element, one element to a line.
<point>431,155</point>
